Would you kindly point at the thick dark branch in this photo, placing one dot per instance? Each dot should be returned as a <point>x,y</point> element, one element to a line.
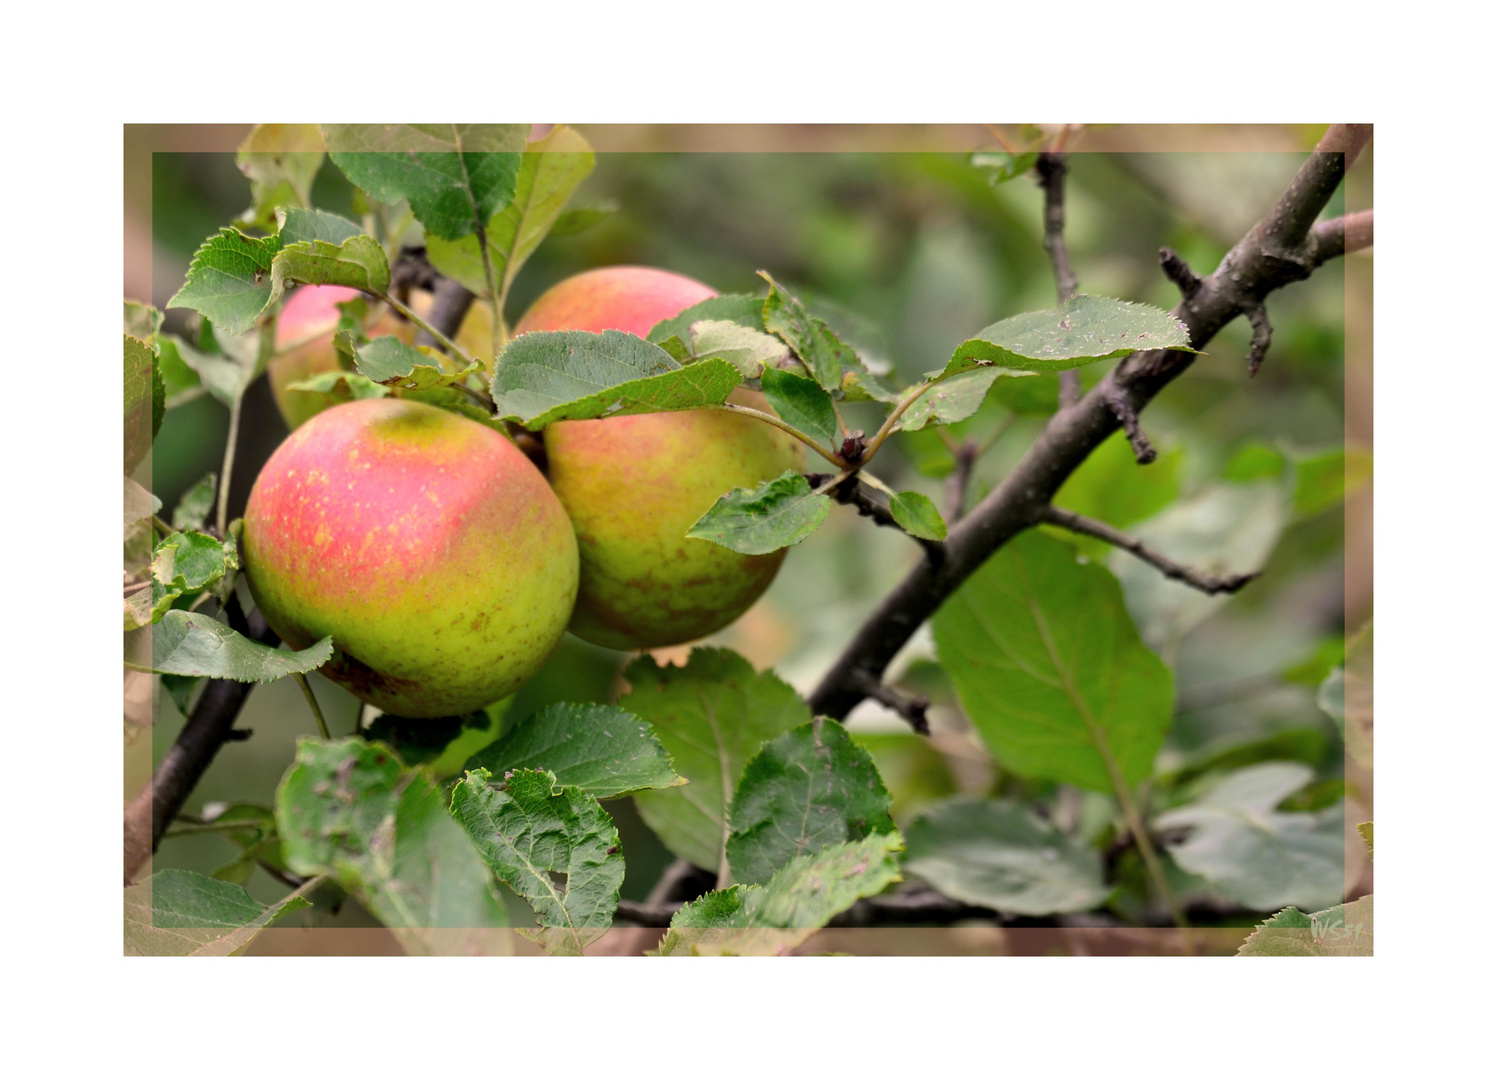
<point>1264,260</point>
<point>1196,579</point>
<point>450,302</point>
<point>911,707</point>
<point>1051,168</point>
<point>1341,236</point>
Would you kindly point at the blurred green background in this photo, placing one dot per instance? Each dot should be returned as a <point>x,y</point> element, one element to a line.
<point>907,254</point>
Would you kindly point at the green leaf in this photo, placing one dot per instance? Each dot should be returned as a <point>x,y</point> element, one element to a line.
<point>1081,331</point>
<point>997,854</point>
<point>142,320</point>
<point>809,789</point>
<point>776,514</point>
<point>145,400</point>
<point>189,368</point>
<point>752,352</point>
<point>917,515</point>
<point>179,913</point>
<point>1111,486</point>
<point>824,355</point>
<point>304,226</point>
<point>139,503</point>
<point>190,561</point>
<point>1228,528</point>
<point>342,385</point>
<point>229,279</point>
<point>915,773</point>
<point>190,643</point>
<point>391,362</point>
<point>571,375</point>
<point>770,919</point>
<point>1049,668</point>
<point>348,808</point>
<point>281,161</point>
<point>195,506</point>
<point>800,403</point>
<point>1326,479</point>
<point>1001,166</point>
<point>1343,930</point>
<point>860,384</point>
<point>257,840</point>
<point>952,400</point>
<point>424,740</point>
<point>1258,856</point>
<point>549,172</point>
<point>740,309</point>
<point>357,263</point>
<point>455,176</point>
<point>711,716</point>
<point>1364,830</point>
<point>553,845</point>
<point>603,750</point>
<point>579,219</point>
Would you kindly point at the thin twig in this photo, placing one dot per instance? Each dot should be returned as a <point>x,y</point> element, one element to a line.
<point>1121,408</point>
<point>162,527</point>
<point>222,518</point>
<point>1211,584</point>
<point>965,457</point>
<point>306,689</point>
<point>446,344</point>
<point>911,707</point>
<point>788,429</point>
<point>1051,171</point>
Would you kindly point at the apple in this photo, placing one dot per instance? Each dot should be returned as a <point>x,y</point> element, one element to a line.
<point>634,485</point>
<point>428,546</point>
<point>305,330</point>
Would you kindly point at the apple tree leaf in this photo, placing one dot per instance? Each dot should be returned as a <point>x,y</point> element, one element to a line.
<point>194,507</point>
<point>809,789</point>
<point>741,309</point>
<point>1050,670</point>
<point>800,403</point>
<point>281,161</point>
<point>142,321</point>
<point>823,353</point>
<point>1001,166</point>
<point>553,845</point>
<point>191,643</point>
<point>755,521</point>
<point>455,176</point>
<point>145,400</point>
<point>750,351</point>
<point>357,262</point>
<point>955,399</point>
<point>342,386</point>
<point>770,919</point>
<point>601,749</point>
<point>179,913</point>
<point>1083,330</point>
<point>1342,930</point>
<point>229,280</point>
<point>572,375</point>
<point>389,361</point>
<point>1260,856</point>
<point>350,809</point>
<point>997,854</point>
<point>139,503</point>
<point>549,172</point>
<point>711,716</point>
<point>299,226</point>
<point>917,515</point>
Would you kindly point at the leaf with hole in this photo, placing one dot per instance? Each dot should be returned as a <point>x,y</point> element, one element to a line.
<point>553,845</point>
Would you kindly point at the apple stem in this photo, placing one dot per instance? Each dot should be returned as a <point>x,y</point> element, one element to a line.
<point>306,689</point>
<point>795,432</point>
<point>440,338</point>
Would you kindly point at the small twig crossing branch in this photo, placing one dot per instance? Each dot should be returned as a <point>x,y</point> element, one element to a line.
<point>1051,170</point>
<point>1178,271</point>
<point>1122,408</point>
<point>1210,584</point>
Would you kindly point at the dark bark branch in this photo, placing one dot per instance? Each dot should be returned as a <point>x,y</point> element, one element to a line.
<point>1143,450</point>
<point>1196,579</point>
<point>911,707</point>
<point>212,722</point>
<point>1341,236</point>
<point>1051,168</point>
<point>1178,271</point>
<point>1275,252</point>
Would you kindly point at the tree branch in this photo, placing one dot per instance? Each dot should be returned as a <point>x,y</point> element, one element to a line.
<point>1277,251</point>
<point>911,707</point>
<point>851,493</point>
<point>1210,584</point>
<point>1051,169</point>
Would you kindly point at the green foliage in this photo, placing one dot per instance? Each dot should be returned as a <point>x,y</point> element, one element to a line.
<point>191,643</point>
<point>1257,855</point>
<point>1001,166</point>
<point>917,515</point>
<point>571,375</point>
<point>1111,486</point>
<point>740,309</point>
<point>142,321</point>
<point>775,514</point>
<point>549,172</point>
<point>770,919</point>
<point>356,263</point>
<point>1364,830</point>
<point>139,503</point>
<point>1050,669</point>
<point>1343,930</point>
<point>145,401</point>
<point>750,351</point>
<point>812,341</point>
<point>1081,331</point>
<point>997,854</point>
<point>603,750</point>
<point>229,280</point>
<point>955,399</point>
<point>711,716</point>
<point>281,161</point>
<point>389,361</point>
<point>801,404</point>
<point>179,913</point>
<point>1325,479</point>
<point>258,840</point>
<point>809,789</point>
<point>194,507</point>
<point>455,176</point>
<point>351,810</point>
<point>346,385</point>
<point>305,226</point>
<point>553,845</point>
<point>915,773</point>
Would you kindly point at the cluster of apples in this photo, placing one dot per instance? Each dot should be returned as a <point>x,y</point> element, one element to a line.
<point>446,566</point>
